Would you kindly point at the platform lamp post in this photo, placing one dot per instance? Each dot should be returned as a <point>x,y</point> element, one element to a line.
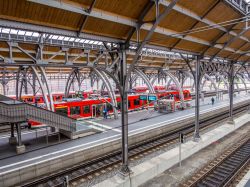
<point>124,171</point>
<point>197,100</point>
<point>231,92</point>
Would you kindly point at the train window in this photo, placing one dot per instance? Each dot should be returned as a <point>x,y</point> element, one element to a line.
<point>57,98</point>
<point>86,109</point>
<point>63,111</point>
<point>74,110</point>
<point>109,107</point>
<point>137,102</point>
<point>30,99</point>
<point>119,105</point>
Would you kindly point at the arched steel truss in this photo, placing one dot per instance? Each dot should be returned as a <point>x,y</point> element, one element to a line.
<point>207,77</point>
<point>76,74</point>
<point>178,85</point>
<point>39,75</point>
<point>146,79</point>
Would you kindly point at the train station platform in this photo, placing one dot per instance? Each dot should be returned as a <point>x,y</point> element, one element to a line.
<point>245,181</point>
<point>44,161</point>
<point>150,116</point>
<point>155,166</point>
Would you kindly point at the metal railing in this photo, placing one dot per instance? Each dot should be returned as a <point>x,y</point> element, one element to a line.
<point>15,111</point>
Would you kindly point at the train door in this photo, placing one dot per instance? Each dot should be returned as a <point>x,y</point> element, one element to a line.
<point>93,111</point>
<point>97,110</point>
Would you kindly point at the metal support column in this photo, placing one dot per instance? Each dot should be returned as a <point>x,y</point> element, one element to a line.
<point>197,99</point>
<point>12,130</point>
<point>18,129</point>
<point>12,139</point>
<point>231,92</point>
<point>34,84</point>
<point>124,108</point>
<point>20,148</point>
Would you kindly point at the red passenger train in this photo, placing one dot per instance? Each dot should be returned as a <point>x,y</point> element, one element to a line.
<point>91,105</point>
<point>91,108</point>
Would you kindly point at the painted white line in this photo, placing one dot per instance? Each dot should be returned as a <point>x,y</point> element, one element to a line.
<point>60,151</point>
<point>102,141</point>
<point>103,126</point>
<point>97,128</point>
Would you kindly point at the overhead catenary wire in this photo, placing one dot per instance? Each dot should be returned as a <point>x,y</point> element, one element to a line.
<point>201,29</point>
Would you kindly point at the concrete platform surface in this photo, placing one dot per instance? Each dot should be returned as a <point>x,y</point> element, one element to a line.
<point>155,166</point>
<point>245,182</point>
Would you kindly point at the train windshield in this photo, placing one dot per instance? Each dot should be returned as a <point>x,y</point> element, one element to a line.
<point>62,110</point>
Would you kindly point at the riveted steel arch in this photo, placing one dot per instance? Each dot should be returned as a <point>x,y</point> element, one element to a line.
<point>46,82</point>
<point>42,81</point>
<point>74,74</point>
<point>111,92</point>
<point>42,86</point>
<point>223,79</point>
<point>146,80</point>
<point>242,80</point>
<point>178,85</point>
<point>188,74</point>
<point>206,76</point>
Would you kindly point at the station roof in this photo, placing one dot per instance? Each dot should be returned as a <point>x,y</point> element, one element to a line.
<point>213,28</point>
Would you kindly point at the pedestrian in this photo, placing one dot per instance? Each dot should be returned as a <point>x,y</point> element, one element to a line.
<point>104,113</point>
<point>212,100</point>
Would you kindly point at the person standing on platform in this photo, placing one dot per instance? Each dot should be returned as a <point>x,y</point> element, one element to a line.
<point>104,113</point>
<point>212,100</point>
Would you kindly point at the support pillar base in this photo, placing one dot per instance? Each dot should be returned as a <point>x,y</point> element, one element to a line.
<point>12,140</point>
<point>231,121</point>
<point>124,172</point>
<point>20,149</point>
<point>196,137</point>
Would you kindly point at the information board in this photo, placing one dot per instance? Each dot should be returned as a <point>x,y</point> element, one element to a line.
<point>143,97</point>
<point>152,98</point>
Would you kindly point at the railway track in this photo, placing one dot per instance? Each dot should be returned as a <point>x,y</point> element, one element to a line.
<point>106,162</point>
<point>225,169</point>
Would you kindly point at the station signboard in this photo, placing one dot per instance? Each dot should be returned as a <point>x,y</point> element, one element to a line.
<point>152,98</point>
<point>148,97</point>
<point>144,97</point>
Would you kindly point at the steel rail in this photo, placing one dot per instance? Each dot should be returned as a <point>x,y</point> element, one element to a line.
<point>227,166</point>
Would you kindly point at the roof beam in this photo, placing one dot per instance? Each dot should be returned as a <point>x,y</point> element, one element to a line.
<point>229,42</point>
<point>130,22</point>
<point>144,12</point>
<point>238,50</point>
<point>149,34</point>
<point>193,15</point>
<point>216,39</point>
<point>196,23</point>
<point>85,17</point>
